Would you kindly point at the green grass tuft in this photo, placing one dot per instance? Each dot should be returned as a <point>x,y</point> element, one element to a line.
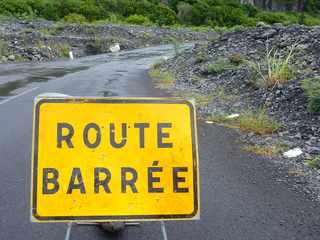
<point>3,48</point>
<point>267,151</point>
<point>236,58</point>
<point>314,163</point>
<point>257,122</point>
<point>312,88</point>
<point>162,79</point>
<point>218,66</point>
<point>278,67</point>
<point>250,121</point>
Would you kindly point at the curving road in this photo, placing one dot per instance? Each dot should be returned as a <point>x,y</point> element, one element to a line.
<point>242,196</point>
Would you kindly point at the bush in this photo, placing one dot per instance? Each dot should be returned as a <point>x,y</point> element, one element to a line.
<point>278,67</point>
<point>194,12</point>
<point>3,48</point>
<point>201,57</point>
<point>250,10</point>
<point>236,58</point>
<point>219,66</point>
<point>312,88</point>
<point>251,121</point>
<point>75,18</point>
<point>310,20</point>
<point>14,7</point>
<point>111,18</point>
<point>163,15</point>
<point>139,20</point>
<point>90,10</point>
<point>277,17</point>
<point>200,12</point>
<point>162,79</point>
<point>62,49</point>
<point>314,163</point>
<point>267,151</point>
<point>257,122</point>
<point>184,12</point>
<point>226,16</point>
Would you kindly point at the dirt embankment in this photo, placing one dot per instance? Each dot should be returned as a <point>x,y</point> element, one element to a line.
<point>45,40</point>
<point>270,76</point>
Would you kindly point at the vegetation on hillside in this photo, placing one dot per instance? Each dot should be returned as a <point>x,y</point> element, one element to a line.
<point>147,12</point>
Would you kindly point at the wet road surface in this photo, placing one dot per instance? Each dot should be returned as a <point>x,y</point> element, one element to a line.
<point>241,195</point>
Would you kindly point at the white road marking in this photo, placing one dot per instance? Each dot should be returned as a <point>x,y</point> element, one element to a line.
<point>164,232</point>
<point>18,95</point>
<point>67,237</point>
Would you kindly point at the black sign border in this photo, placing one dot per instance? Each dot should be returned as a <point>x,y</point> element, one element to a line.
<point>120,217</point>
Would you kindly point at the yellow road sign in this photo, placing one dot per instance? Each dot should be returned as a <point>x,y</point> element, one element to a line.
<point>109,159</point>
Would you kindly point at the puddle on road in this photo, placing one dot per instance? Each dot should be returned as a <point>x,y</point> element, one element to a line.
<point>6,89</point>
<point>17,70</point>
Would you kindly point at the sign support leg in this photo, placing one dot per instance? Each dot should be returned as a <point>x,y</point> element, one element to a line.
<point>163,229</point>
<point>67,237</point>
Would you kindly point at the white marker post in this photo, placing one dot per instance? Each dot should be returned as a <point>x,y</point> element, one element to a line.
<point>71,55</point>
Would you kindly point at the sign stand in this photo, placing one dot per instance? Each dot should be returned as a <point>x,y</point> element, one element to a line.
<point>164,232</point>
<point>67,237</point>
<point>62,147</point>
<point>68,233</point>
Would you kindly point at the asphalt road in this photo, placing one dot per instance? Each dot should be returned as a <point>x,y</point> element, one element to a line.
<point>242,196</point>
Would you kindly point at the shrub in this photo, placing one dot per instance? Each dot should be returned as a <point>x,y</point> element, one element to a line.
<point>21,58</point>
<point>75,18</point>
<point>277,17</point>
<point>15,7</point>
<point>257,122</point>
<point>248,22</point>
<point>314,163</point>
<point>310,20</point>
<point>163,15</point>
<point>176,43</point>
<point>162,79</point>
<point>200,12</point>
<point>225,15</point>
<point>267,151</point>
<point>313,6</point>
<point>139,20</point>
<point>312,88</point>
<point>61,48</point>
<point>252,121</point>
<point>278,67</point>
<point>236,58</point>
<point>201,57</point>
<point>157,64</point>
<point>218,66</point>
<point>250,10</point>
<point>184,12</point>
<point>111,18</point>
<point>90,10</point>
<point>3,48</point>
<point>221,94</point>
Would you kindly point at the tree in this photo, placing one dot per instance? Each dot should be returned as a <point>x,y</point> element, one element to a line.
<point>184,12</point>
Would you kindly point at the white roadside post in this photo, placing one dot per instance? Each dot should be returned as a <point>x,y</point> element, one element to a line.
<point>71,55</point>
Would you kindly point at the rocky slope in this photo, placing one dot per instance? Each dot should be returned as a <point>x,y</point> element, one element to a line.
<point>45,40</point>
<point>222,73</point>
